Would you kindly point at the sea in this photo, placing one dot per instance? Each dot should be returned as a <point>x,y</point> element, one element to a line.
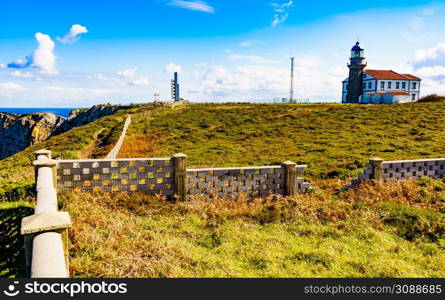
<point>63,112</point>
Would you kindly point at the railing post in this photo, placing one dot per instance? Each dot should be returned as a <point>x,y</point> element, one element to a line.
<point>45,232</point>
<point>377,168</point>
<point>290,183</point>
<point>43,153</point>
<point>180,164</point>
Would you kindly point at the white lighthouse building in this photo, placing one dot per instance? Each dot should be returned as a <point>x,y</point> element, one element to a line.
<point>377,86</point>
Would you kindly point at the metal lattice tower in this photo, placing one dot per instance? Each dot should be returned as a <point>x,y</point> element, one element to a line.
<point>291,93</point>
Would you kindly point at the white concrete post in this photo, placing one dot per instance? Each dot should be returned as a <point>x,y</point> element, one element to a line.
<point>46,254</point>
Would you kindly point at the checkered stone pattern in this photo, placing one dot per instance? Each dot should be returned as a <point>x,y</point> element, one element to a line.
<point>408,169</point>
<point>366,175</point>
<point>153,176</point>
<point>414,169</point>
<point>302,185</point>
<point>262,181</point>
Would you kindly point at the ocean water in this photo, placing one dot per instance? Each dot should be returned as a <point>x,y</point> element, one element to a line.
<point>63,112</point>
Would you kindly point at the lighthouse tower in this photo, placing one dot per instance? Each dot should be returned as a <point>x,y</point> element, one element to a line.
<point>356,66</point>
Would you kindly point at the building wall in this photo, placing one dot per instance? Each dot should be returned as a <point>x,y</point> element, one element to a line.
<point>372,85</point>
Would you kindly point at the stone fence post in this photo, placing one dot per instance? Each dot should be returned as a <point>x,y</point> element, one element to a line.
<point>377,168</point>
<point>180,165</point>
<point>290,183</point>
<point>45,232</point>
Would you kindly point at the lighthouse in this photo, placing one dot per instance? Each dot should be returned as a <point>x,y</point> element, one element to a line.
<point>356,67</point>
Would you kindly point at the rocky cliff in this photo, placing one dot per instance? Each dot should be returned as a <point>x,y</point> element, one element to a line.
<point>18,132</point>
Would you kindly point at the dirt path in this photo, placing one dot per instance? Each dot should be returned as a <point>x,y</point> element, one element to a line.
<point>88,150</point>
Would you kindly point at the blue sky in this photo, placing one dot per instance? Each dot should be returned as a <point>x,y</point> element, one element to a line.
<point>64,54</point>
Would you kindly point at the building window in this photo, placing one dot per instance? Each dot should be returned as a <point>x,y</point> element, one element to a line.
<point>414,85</point>
<point>403,85</point>
<point>413,97</point>
<point>364,85</point>
<point>397,85</point>
<point>382,85</point>
<point>369,85</point>
<point>389,85</point>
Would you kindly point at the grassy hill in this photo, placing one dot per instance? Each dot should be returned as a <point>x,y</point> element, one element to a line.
<point>395,230</point>
<point>336,141</point>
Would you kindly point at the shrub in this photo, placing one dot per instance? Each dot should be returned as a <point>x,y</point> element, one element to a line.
<point>432,98</point>
<point>414,223</point>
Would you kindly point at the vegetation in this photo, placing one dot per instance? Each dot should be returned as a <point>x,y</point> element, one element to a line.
<point>376,230</point>
<point>336,141</point>
<point>355,234</point>
<point>432,98</point>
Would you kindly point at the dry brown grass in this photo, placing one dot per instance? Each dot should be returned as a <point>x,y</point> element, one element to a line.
<point>133,235</point>
<point>406,192</point>
<point>142,145</point>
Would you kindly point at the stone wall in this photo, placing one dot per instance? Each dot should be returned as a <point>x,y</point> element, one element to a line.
<point>252,181</point>
<point>152,175</point>
<point>157,176</point>
<point>404,169</point>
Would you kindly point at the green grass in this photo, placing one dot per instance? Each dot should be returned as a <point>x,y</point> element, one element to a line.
<point>12,256</point>
<point>16,172</point>
<point>305,236</point>
<point>336,141</point>
<point>392,230</point>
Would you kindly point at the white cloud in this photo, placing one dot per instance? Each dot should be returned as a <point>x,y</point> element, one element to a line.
<point>308,60</point>
<point>12,86</point>
<point>2,66</point>
<point>431,56</point>
<point>73,35</point>
<point>74,91</point>
<point>172,68</point>
<point>435,71</point>
<point>122,78</point>
<point>266,82</point>
<point>281,14</point>
<point>193,5</point>
<point>140,81</point>
<point>251,58</point>
<point>127,73</point>
<point>19,74</point>
<point>43,58</point>
<point>246,44</point>
<point>277,19</point>
<point>249,43</point>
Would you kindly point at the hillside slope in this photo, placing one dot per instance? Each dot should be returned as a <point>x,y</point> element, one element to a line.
<point>18,132</point>
<point>334,140</point>
<point>377,230</point>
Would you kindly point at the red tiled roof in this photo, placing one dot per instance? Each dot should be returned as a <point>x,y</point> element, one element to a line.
<point>412,77</point>
<point>390,75</point>
<point>394,93</point>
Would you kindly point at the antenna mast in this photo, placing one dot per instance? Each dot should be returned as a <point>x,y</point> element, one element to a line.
<point>291,94</point>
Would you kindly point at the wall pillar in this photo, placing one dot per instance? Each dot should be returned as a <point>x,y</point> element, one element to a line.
<point>180,164</point>
<point>377,168</point>
<point>290,183</point>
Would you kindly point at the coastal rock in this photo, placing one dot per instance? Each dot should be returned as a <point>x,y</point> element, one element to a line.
<point>18,131</point>
<point>80,117</point>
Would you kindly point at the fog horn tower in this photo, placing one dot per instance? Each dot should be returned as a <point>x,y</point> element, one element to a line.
<point>356,67</point>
